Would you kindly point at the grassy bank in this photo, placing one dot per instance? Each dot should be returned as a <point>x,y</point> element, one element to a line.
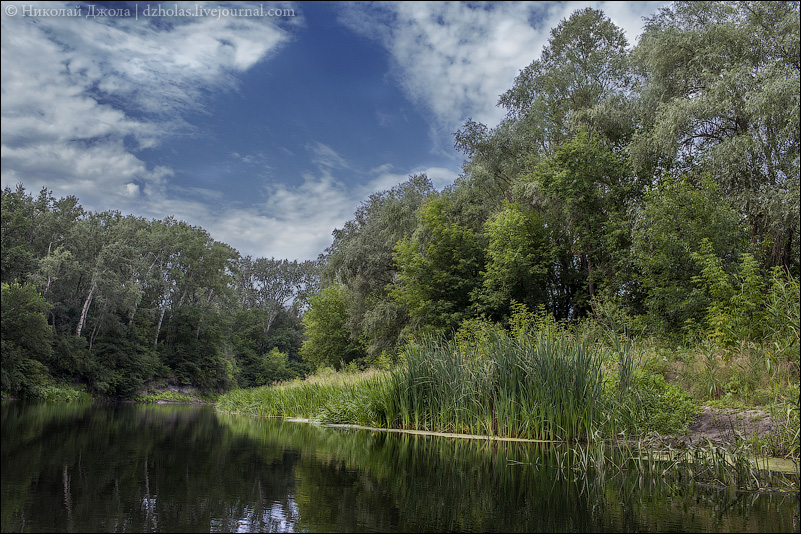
<point>615,400</point>
<point>56,393</point>
<point>548,383</point>
<point>544,382</point>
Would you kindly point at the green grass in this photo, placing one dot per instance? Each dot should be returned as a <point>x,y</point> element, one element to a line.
<point>174,396</point>
<point>550,384</point>
<point>540,385</point>
<point>63,394</point>
<point>54,393</point>
<point>327,397</point>
<point>544,382</point>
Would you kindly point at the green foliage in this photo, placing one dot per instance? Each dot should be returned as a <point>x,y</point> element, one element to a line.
<point>326,395</point>
<point>193,349</point>
<point>540,385</point>
<point>51,393</point>
<point>650,188</point>
<point>735,310</point>
<point>672,225</point>
<point>584,64</point>
<point>746,305</point>
<point>519,258</point>
<point>582,192</point>
<point>274,367</point>
<point>182,397</point>
<point>720,97</point>
<point>782,314</point>
<point>255,349</point>
<point>474,331</point>
<point>438,268</point>
<point>580,82</point>
<point>787,413</point>
<point>646,190</point>
<point>328,341</point>
<point>661,406</point>
<point>26,339</point>
<point>128,300</point>
<point>361,259</point>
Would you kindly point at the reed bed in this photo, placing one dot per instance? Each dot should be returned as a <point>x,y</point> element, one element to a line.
<point>545,385</point>
<point>326,397</point>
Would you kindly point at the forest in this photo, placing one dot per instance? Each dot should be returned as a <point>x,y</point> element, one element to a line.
<point>650,190</point>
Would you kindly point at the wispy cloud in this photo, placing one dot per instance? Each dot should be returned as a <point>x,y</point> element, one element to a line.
<point>296,221</point>
<point>82,96</point>
<point>454,61</point>
<point>451,60</point>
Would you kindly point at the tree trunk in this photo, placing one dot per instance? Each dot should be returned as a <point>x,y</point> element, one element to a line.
<point>85,310</point>
<point>158,326</point>
<point>93,335</point>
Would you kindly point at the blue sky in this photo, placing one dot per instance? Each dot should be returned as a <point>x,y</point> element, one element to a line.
<point>266,128</point>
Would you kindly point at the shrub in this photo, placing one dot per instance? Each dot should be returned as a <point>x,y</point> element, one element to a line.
<point>662,407</point>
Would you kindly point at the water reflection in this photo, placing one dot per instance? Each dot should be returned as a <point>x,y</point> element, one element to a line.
<point>185,469</point>
<point>138,468</point>
<point>410,483</point>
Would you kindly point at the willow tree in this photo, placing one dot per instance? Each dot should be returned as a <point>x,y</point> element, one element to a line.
<point>720,97</point>
<point>581,81</point>
<point>361,260</point>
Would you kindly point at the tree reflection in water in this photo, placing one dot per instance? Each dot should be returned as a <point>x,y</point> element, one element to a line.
<point>183,469</point>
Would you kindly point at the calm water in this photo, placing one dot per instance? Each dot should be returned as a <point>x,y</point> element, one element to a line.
<point>139,468</point>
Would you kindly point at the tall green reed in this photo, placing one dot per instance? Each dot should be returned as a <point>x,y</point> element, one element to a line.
<point>539,384</point>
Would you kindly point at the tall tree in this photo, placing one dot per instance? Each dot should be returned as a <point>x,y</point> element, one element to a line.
<point>361,259</point>
<point>720,96</point>
<point>581,80</point>
<point>274,285</point>
<point>26,339</point>
<point>519,260</point>
<point>438,269</point>
<point>584,190</point>
<point>328,341</point>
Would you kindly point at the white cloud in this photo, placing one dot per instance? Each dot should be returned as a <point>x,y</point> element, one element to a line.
<point>296,222</point>
<point>384,180</point>
<point>629,15</point>
<point>455,60</point>
<point>326,157</point>
<point>451,59</point>
<point>81,96</point>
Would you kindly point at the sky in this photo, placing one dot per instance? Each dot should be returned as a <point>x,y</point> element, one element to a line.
<point>266,124</point>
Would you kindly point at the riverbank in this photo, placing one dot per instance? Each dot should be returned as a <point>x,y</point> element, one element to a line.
<point>157,393</point>
<point>731,429</point>
<point>712,452</point>
<point>557,384</point>
<point>174,394</point>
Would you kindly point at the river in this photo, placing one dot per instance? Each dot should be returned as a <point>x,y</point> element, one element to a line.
<point>167,468</point>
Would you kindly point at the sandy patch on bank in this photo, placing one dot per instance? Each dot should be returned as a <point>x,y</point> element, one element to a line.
<point>722,426</point>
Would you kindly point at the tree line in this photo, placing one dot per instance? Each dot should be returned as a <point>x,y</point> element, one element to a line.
<point>653,186</point>
<point>115,301</point>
